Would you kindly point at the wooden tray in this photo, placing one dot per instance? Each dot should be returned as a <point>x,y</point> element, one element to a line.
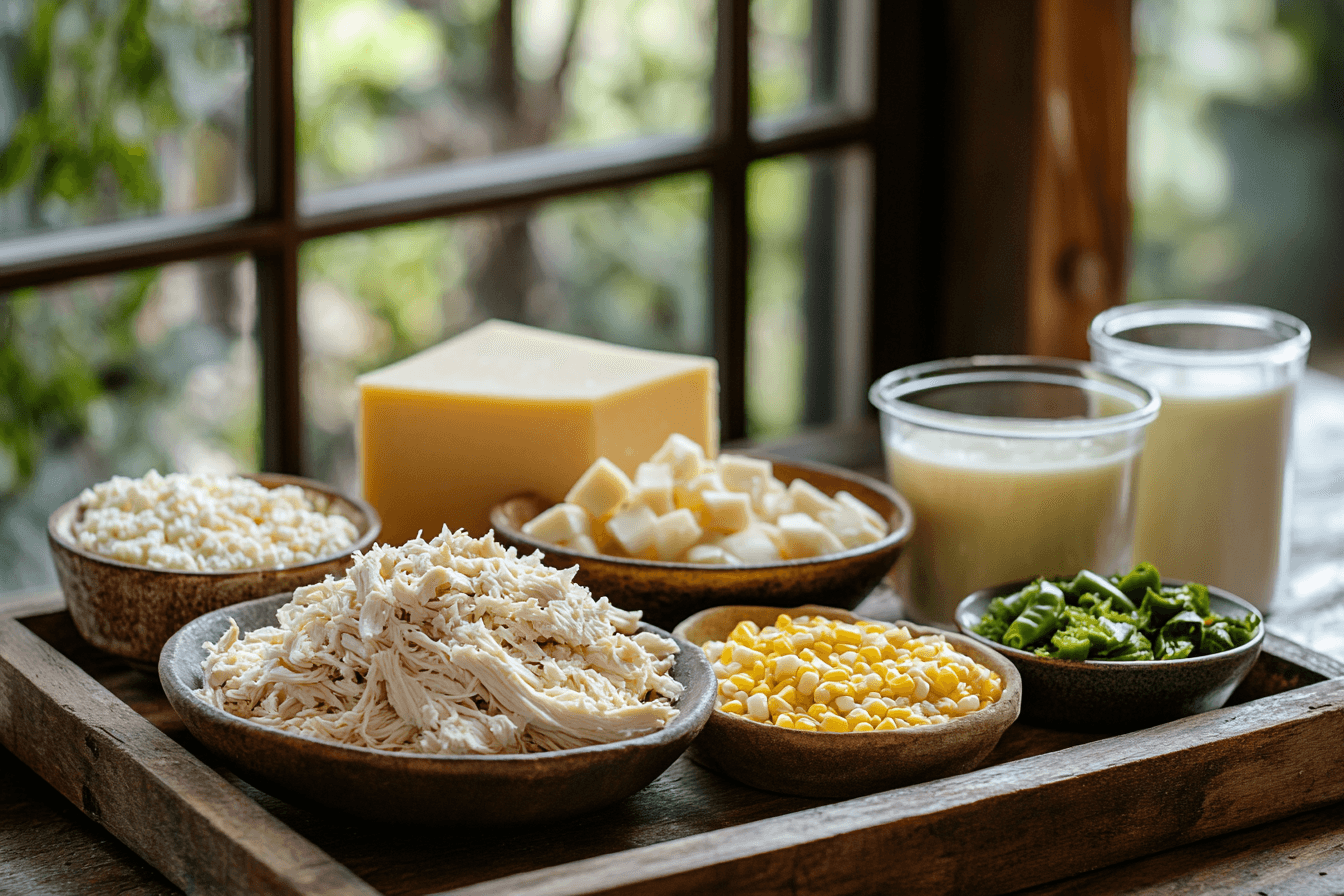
<point>1046,805</point>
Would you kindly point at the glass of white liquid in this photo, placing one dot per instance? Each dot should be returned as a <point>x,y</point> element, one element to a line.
<point>1015,466</point>
<point>1215,478</point>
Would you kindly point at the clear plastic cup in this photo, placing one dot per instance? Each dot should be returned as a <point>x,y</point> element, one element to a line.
<point>1015,467</point>
<point>1216,473</point>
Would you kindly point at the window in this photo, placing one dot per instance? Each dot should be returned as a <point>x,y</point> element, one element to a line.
<point>213,215</point>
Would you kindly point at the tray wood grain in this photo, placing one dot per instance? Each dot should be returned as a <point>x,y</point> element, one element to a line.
<point>1074,802</point>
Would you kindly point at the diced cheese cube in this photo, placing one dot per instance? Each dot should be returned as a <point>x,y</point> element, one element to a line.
<point>601,489</point>
<point>751,545</point>
<point>653,487</point>
<point>804,497</point>
<point>690,494</point>
<point>684,456</point>
<point>771,501</point>
<point>849,526</point>
<point>502,409</point>
<point>873,518</point>
<point>805,537</point>
<point>745,474</point>
<point>711,554</point>
<point>559,524</point>
<point>583,544</point>
<point>675,532</point>
<point>726,511</point>
<point>633,528</point>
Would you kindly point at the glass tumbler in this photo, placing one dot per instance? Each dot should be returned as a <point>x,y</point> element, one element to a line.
<point>1215,478</point>
<point>1016,467</point>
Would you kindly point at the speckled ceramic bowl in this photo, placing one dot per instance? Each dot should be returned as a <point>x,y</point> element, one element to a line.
<point>1107,696</point>
<point>669,592</point>
<point>403,787</point>
<point>833,765</point>
<point>130,610</point>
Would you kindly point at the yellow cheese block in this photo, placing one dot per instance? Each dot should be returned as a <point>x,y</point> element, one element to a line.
<point>504,408</point>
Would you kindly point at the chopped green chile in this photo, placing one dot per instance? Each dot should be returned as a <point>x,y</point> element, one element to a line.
<point>1116,619</point>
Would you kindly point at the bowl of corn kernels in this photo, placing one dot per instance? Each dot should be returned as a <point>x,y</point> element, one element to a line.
<point>815,701</point>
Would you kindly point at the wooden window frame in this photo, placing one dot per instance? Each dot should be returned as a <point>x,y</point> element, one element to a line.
<point>282,219</point>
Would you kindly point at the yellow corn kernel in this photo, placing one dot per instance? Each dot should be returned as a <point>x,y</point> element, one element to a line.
<point>863,726</point>
<point>874,628</point>
<point>899,712</point>
<point>807,682</point>
<point>745,632</point>
<point>758,671</point>
<point>761,688</point>
<point>780,684</point>
<point>901,685</point>
<point>849,635</point>
<point>917,720</point>
<point>817,710</point>
<point>783,621</point>
<point>857,715</point>
<point>891,654</point>
<point>778,706</point>
<point>789,694</point>
<point>742,681</point>
<point>836,675</point>
<point>781,646</point>
<point>926,651</point>
<point>886,725</point>
<point>832,722</point>
<point>726,656</point>
<point>803,723</point>
<point>823,648</point>
<point>944,681</point>
<point>897,636</point>
<point>871,654</point>
<point>784,721</point>
<point>734,707</point>
<point>887,692</point>
<point>859,684</point>
<point>823,693</point>
<point>991,690</point>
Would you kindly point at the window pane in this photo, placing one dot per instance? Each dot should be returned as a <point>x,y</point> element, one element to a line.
<point>117,375</point>
<point>809,53</point>
<point>807,291</point>
<point>627,266</point>
<point>120,110</point>
<point>1237,158</point>
<point>384,86</point>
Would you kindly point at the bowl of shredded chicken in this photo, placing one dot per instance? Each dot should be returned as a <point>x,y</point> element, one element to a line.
<point>441,680</point>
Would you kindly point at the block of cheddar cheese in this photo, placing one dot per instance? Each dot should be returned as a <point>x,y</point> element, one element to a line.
<point>502,408</point>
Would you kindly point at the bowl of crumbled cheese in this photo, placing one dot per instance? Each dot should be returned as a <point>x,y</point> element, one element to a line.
<point>139,558</point>
<point>689,532</point>
<point>443,681</point>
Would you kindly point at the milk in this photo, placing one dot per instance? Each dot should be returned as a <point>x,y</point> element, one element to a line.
<point>990,511</point>
<point>1211,490</point>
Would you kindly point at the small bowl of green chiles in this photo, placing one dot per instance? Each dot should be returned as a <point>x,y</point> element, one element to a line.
<point>1117,653</point>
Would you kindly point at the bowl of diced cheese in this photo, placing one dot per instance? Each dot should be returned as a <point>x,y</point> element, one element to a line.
<point>138,558</point>
<point>815,701</point>
<point>688,532</point>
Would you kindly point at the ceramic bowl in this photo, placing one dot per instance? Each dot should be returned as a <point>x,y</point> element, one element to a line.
<point>402,787</point>
<point>669,592</point>
<point>833,765</point>
<point>1095,695</point>
<point>130,610</point>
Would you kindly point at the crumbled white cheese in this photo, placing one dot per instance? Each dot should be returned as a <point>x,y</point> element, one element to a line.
<point>455,645</point>
<point>207,523</point>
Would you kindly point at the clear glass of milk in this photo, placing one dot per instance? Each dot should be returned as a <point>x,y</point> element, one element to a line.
<point>1215,478</point>
<point>1015,466</point>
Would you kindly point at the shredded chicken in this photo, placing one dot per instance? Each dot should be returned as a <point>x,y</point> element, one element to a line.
<point>454,645</point>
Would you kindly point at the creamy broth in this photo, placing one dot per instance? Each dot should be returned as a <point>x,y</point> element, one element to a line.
<point>1211,490</point>
<point>1008,510</point>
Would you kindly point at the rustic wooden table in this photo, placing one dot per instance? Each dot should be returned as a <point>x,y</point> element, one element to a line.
<point>47,846</point>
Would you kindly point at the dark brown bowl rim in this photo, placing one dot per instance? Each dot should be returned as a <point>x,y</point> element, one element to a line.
<point>987,594</point>
<point>991,718</point>
<point>894,538</point>
<point>171,680</point>
<point>374,525</point>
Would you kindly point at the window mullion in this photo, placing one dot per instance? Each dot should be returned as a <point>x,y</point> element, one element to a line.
<point>275,176</point>
<point>728,220</point>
